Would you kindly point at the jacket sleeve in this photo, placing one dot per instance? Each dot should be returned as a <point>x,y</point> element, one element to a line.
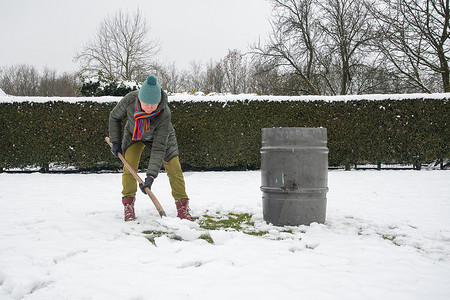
<point>116,117</point>
<point>159,145</point>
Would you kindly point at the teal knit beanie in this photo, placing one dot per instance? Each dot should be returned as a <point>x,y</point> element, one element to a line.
<point>150,92</point>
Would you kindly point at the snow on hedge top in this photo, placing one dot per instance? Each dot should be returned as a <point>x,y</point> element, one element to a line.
<point>184,97</point>
<point>2,93</point>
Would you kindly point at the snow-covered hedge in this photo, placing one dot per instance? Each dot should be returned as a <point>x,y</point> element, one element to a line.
<point>224,132</point>
<point>200,97</point>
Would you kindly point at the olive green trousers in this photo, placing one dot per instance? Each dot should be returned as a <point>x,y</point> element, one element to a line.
<point>173,170</point>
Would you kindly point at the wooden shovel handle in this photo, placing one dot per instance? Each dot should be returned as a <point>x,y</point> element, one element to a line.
<point>139,180</point>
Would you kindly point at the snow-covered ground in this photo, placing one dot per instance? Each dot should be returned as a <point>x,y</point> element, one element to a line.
<point>387,236</point>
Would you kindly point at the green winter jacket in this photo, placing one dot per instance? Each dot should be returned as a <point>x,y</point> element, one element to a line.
<point>160,138</point>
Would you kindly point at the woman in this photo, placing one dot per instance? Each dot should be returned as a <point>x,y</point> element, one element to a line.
<point>148,124</point>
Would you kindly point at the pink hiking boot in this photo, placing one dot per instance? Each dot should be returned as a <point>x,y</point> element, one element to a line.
<point>183,209</point>
<point>128,210</point>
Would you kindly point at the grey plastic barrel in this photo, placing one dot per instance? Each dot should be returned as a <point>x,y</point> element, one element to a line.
<point>294,175</point>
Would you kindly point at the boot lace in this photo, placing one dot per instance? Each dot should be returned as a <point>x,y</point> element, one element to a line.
<point>129,212</point>
<point>183,212</point>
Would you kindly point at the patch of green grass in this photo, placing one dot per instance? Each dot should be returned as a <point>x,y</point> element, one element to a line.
<point>390,238</point>
<point>152,234</point>
<point>217,221</point>
<point>256,233</point>
<point>176,238</point>
<point>206,237</point>
<point>230,221</point>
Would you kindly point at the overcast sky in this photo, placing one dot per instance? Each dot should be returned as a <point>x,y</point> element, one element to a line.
<point>49,32</point>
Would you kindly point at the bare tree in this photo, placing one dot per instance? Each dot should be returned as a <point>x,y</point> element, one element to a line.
<point>25,80</point>
<point>318,43</point>
<point>20,80</point>
<point>348,30</point>
<point>47,82</point>
<point>120,49</point>
<point>195,77</point>
<point>292,46</point>
<point>264,80</point>
<point>67,85</point>
<point>170,77</point>
<point>52,84</point>
<point>236,72</point>
<point>214,78</point>
<point>414,38</point>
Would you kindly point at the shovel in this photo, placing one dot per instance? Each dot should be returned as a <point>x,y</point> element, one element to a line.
<point>139,180</point>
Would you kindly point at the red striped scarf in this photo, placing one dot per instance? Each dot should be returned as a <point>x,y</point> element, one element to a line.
<point>142,121</point>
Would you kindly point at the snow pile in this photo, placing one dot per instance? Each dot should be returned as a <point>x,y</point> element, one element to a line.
<point>186,97</point>
<point>387,236</point>
<point>2,93</point>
